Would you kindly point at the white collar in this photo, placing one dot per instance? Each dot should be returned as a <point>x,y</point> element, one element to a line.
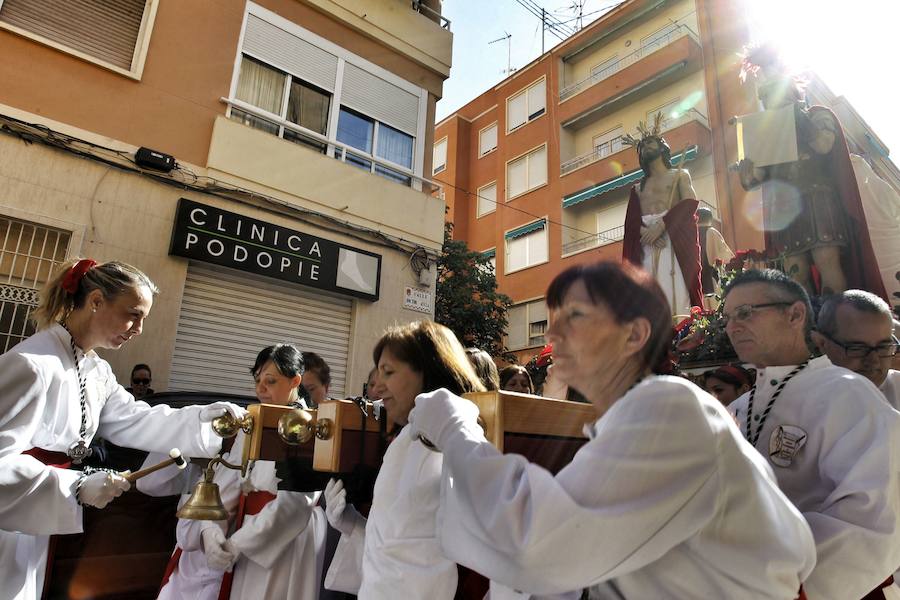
<point>780,371</point>
<point>64,338</point>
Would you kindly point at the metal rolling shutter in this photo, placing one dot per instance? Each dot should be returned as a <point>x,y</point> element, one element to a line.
<point>380,99</point>
<point>228,316</point>
<point>106,30</point>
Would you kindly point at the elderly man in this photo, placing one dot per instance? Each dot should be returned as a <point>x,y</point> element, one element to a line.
<point>855,330</point>
<point>827,433</point>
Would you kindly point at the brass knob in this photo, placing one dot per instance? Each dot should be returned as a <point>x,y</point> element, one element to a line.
<point>295,427</point>
<point>227,426</point>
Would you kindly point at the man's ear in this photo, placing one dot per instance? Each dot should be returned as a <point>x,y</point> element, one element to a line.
<point>797,313</point>
<point>819,340</point>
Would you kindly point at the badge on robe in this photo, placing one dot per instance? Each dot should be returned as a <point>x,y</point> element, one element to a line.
<point>784,444</point>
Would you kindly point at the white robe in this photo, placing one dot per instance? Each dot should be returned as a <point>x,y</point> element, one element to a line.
<point>666,500</point>
<point>881,204</point>
<point>40,407</point>
<point>844,478</point>
<point>397,551</point>
<point>890,387</point>
<point>663,265</point>
<point>281,546</point>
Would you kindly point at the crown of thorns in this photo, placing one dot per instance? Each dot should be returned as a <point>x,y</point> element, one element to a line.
<point>646,130</point>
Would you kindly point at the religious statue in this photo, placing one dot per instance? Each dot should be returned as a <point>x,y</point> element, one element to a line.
<point>812,213</point>
<point>713,250</point>
<point>660,221</point>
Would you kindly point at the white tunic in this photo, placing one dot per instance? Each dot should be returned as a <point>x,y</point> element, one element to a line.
<point>666,500</point>
<point>398,549</point>
<point>833,444</point>
<point>40,407</point>
<point>663,265</point>
<point>891,388</point>
<point>280,546</point>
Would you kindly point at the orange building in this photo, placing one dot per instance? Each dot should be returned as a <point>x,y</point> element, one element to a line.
<point>534,170</point>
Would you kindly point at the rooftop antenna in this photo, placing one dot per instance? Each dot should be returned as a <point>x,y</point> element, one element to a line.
<point>509,67</point>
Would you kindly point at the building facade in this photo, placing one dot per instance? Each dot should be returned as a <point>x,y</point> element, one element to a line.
<point>301,132</point>
<point>534,170</point>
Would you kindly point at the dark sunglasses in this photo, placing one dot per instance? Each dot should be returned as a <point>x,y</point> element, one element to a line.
<point>140,381</point>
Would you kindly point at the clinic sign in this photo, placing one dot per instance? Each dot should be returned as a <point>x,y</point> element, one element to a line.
<point>220,237</point>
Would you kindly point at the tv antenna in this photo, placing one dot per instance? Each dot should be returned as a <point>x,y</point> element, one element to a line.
<point>507,37</point>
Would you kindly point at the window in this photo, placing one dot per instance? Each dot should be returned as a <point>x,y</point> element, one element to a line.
<point>487,199</point>
<point>264,88</point>
<point>606,68</point>
<point>439,158</point>
<point>527,105</point>
<point>29,254</point>
<point>611,224</point>
<point>609,142</point>
<point>658,39</point>
<point>305,89</point>
<point>669,111</point>
<point>112,33</point>
<point>491,255</point>
<point>527,325</point>
<point>487,139</point>
<point>526,172</point>
<point>526,246</point>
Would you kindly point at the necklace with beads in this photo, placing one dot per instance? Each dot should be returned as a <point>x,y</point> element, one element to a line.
<point>80,450</point>
<point>761,419</point>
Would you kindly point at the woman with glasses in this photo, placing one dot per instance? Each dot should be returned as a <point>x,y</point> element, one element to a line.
<point>665,500</point>
<point>140,381</point>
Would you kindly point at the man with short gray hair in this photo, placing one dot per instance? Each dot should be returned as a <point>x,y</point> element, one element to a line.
<point>855,330</point>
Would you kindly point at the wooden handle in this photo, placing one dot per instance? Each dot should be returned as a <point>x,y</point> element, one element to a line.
<point>132,477</point>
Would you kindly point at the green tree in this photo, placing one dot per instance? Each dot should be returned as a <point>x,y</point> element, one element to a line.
<point>466,297</point>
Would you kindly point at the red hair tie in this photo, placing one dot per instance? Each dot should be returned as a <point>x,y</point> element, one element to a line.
<point>76,274</point>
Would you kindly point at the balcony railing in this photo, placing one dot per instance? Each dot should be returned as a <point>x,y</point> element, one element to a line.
<point>629,59</point>
<point>287,130</point>
<point>598,239</point>
<point>420,7</point>
<point>611,148</point>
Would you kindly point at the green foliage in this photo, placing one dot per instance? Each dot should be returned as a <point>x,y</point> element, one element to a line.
<point>466,297</point>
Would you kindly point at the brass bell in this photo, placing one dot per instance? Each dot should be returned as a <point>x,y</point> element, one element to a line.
<point>205,503</point>
<point>227,426</point>
<point>298,426</point>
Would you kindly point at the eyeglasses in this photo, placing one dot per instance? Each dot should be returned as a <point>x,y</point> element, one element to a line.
<point>745,311</point>
<point>860,350</point>
<point>140,381</point>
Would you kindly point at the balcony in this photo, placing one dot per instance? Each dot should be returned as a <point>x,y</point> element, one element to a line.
<point>432,10</point>
<point>635,75</point>
<point>580,172</point>
<point>616,234</point>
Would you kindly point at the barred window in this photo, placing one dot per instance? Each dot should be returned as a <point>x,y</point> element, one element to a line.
<point>29,254</point>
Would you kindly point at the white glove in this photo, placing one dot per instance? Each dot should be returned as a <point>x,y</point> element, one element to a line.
<point>439,414</point>
<point>217,409</point>
<point>216,548</point>
<point>99,489</point>
<point>342,517</point>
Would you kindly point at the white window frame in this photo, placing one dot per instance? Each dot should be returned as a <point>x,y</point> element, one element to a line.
<point>478,212</point>
<point>528,109</point>
<point>141,46</point>
<point>527,157</point>
<point>529,321</point>
<point>344,56</point>
<point>601,225</point>
<point>435,169</point>
<point>493,258</point>
<point>481,133</point>
<point>611,146</point>
<point>528,236</point>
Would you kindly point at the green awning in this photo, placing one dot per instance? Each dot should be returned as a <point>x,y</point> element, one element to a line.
<point>622,180</point>
<point>525,229</point>
<point>489,253</point>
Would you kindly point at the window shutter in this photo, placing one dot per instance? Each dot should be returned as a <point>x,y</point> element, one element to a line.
<point>487,199</point>
<point>487,140</point>
<point>380,99</point>
<point>537,311</point>
<point>106,30</point>
<point>439,158</point>
<point>517,327</point>
<point>516,111</point>
<point>537,247</point>
<point>286,51</point>
<point>517,176</point>
<point>516,253</point>
<point>537,167</point>
<point>537,98</point>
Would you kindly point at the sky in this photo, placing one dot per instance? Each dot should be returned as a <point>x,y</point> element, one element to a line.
<point>853,46</point>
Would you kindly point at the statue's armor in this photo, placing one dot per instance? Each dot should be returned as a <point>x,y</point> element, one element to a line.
<point>801,207</point>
